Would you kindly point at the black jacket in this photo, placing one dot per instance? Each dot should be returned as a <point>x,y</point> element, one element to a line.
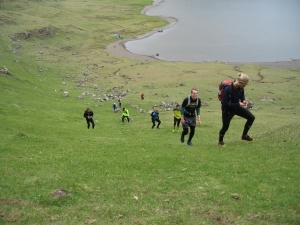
<point>232,98</point>
<point>88,115</point>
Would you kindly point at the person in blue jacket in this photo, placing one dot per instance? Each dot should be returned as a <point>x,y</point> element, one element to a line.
<point>155,118</point>
<point>234,103</point>
<point>114,107</point>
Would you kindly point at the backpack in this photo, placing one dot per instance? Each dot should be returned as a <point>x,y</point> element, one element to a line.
<point>189,101</point>
<point>222,86</point>
<point>152,113</point>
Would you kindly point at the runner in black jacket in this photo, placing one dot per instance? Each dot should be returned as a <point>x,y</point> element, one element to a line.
<point>189,109</point>
<point>234,103</point>
<point>88,115</point>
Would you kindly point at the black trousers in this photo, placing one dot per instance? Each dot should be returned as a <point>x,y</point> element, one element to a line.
<point>123,118</point>
<point>227,117</point>
<point>90,121</point>
<point>153,122</point>
<point>176,122</point>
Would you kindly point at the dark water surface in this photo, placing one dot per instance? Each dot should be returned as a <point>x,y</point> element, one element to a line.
<point>225,30</point>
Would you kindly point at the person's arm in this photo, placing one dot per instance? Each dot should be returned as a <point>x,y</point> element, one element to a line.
<point>244,103</point>
<point>198,111</point>
<point>182,109</point>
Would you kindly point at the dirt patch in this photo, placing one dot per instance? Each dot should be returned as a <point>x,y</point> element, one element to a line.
<point>5,202</point>
<point>59,193</point>
<point>44,32</point>
<point>218,218</point>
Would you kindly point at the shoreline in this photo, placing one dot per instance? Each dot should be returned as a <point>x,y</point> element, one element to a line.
<point>119,49</point>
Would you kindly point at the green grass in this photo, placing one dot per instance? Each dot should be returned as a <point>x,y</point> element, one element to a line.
<point>131,174</point>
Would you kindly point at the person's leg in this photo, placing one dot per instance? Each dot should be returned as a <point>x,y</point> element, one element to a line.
<point>93,123</point>
<point>245,113</point>
<point>159,122</point>
<point>192,132</point>
<point>226,118</point>
<point>185,131</point>
<point>174,124</point>
<point>178,122</point>
<point>127,118</point>
<point>153,123</point>
<point>88,123</point>
<point>123,119</point>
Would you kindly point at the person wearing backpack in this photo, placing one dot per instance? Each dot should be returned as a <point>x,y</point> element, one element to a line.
<point>155,118</point>
<point>190,108</point>
<point>234,103</point>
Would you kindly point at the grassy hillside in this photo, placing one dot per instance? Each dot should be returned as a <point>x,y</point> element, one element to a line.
<point>56,171</point>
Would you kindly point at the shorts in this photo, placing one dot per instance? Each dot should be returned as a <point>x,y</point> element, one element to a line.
<point>189,122</point>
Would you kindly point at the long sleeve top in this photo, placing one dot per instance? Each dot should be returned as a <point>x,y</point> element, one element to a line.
<point>190,110</point>
<point>88,114</point>
<point>232,98</point>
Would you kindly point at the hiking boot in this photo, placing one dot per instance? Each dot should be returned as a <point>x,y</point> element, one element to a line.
<point>247,138</point>
<point>189,143</point>
<point>182,139</point>
<point>221,143</point>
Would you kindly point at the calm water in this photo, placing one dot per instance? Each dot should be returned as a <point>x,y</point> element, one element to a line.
<point>225,30</point>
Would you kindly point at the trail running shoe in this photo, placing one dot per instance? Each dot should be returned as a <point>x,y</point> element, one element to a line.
<point>247,138</point>
<point>221,143</point>
<point>189,143</point>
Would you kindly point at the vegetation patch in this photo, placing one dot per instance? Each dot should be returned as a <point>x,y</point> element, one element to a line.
<point>56,171</point>
<point>44,32</point>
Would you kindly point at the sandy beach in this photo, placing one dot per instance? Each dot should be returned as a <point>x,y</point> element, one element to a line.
<point>118,48</point>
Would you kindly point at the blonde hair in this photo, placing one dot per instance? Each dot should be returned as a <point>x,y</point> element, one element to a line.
<point>194,89</point>
<point>243,78</point>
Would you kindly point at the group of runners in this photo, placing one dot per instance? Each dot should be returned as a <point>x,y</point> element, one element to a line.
<point>233,103</point>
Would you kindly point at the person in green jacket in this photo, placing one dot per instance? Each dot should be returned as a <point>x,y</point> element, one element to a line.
<point>125,114</point>
<point>177,117</point>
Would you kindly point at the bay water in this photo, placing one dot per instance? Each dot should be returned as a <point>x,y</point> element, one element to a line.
<point>224,30</point>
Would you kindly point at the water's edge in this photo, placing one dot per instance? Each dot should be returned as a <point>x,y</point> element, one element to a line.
<point>119,48</point>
